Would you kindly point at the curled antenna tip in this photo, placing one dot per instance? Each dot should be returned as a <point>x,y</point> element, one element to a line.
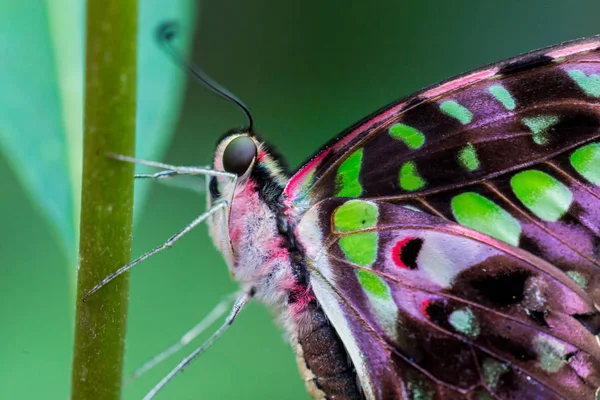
<point>167,31</point>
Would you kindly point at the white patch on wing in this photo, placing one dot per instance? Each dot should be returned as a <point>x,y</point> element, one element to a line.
<point>386,311</point>
<point>336,315</point>
<point>310,237</point>
<point>443,256</point>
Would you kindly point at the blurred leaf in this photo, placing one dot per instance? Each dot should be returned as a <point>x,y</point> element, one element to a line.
<point>31,126</point>
<point>41,106</point>
<point>160,83</point>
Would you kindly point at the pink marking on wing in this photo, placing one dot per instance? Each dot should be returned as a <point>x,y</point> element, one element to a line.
<point>295,183</point>
<point>460,82</point>
<point>291,189</point>
<point>573,49</point>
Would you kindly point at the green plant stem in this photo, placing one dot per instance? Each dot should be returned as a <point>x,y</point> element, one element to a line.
<point>107,198</point>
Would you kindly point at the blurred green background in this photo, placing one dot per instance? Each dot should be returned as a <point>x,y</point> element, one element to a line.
<point>307,70</point>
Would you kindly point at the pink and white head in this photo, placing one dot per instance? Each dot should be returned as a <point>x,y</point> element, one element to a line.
<point>249,230</point>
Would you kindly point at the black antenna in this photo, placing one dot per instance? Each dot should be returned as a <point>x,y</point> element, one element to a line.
<point>166,32</point>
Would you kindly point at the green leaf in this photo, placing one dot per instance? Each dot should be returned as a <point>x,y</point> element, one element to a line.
<point>41,107</point>
<point>31,126</point>
<point>161,84</point>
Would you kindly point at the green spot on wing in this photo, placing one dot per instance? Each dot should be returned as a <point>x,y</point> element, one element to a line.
<point>453,109</point>
<point>346,181</point>
<point>467,157</point>
<point>590,84</point>
<point>355,215</point>
<point>373,284</point>
<point>360,248</point>
<point>477,212</point>
<point>539,127</point>
<point>503,96</point>
<point>465,322</point>
<point>409,179</point>
<point>552,353</point>
<point>586,161</point>
<point>542,194</point>
<point>412,137</point>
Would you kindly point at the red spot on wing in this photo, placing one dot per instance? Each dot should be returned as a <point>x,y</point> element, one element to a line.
<point>424,305</point>
<point>397,252</point>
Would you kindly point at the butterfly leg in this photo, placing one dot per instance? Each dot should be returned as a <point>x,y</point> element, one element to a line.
<point>166,175</point>
<point>158,175</point>
<point>237,307</point>
<point>218,205</point>
<point>219,310</point>
<point>180,170</point>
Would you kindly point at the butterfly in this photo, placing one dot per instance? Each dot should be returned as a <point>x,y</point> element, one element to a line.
<point>445,247</point>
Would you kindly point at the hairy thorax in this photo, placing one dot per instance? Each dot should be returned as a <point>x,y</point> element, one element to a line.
<point>264,260</point>
<point>261,258</point>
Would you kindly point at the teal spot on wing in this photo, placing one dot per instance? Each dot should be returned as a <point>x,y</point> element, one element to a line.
<point>467,157</point>
<point>578,278</point>
<point>503,96</point>
<point>477,212</point>
<point>586,161</point>
<point>492,371</point>
<point>539,127</point>
<point>483,394</point>
<point>419,390</point>
<point>307,181</point>
<point>360,248</point>
<point>590,84</point>
<point>409,178</point>
<point>464,322</point>
<point>355,215</point>
<point>542,194</point>
<point>453,109</point>
<point>346,180</point>
<point>412,137</point>
<point>552,353</point>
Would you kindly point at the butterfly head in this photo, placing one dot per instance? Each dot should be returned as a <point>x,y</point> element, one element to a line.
<point>253,195</point>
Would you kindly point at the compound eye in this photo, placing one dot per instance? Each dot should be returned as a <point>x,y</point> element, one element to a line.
<point>239,154</point>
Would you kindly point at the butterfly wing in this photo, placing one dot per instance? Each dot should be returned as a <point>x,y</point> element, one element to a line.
<point>510,151</point>
<point>496,119</point>
<point>429,309</point>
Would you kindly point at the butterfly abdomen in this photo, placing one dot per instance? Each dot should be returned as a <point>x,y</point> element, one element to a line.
<point>323,360</point>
